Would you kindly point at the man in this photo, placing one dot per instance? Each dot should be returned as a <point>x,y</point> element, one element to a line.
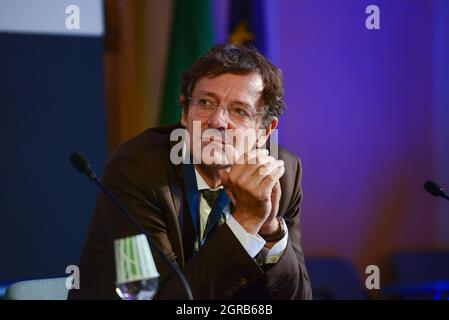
<point>229,218</point>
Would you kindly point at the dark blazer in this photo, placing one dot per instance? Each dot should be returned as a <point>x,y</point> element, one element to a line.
<point>140,171</point>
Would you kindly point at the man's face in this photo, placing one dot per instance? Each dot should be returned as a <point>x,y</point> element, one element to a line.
<point>224,102</point>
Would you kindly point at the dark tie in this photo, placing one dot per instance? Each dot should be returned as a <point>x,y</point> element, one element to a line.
<point>211,196</point>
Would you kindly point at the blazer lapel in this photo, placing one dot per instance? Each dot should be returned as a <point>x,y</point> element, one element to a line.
<point>177,196</point>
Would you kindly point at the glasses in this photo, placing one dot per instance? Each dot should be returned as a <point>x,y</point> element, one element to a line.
<point>238,113</point>
<point>137,276</point>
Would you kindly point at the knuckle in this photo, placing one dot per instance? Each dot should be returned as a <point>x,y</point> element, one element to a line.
<point>240,181</point>
<point>264,171</point>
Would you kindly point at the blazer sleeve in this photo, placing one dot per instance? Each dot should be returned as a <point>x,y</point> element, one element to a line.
<point>288,278</point>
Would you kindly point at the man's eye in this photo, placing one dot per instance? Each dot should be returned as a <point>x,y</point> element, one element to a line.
<point>205,102</point>
<point>241,111</point>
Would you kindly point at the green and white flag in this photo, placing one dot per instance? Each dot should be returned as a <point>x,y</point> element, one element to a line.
<point>191,36</point>
<point>133,259</point>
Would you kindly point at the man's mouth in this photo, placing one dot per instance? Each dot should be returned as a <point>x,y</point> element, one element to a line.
<point>217,141</point>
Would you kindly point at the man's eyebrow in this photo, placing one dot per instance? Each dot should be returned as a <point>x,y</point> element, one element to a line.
<point>210,94</point>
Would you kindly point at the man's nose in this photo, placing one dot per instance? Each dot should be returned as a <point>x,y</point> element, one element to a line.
<point>219,119</point>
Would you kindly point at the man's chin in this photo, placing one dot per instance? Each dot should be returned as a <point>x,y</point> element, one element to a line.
<point>218,166</point>
<point>218,154</point>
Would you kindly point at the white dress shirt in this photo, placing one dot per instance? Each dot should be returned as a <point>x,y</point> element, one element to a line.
<point>252,244</point>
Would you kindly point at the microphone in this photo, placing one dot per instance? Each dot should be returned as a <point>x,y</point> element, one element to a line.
<point>435,190</point>
<point>83,166</point>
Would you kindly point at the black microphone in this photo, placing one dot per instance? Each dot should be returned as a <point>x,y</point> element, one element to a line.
<point>435,190</point>
<point>83,166</point>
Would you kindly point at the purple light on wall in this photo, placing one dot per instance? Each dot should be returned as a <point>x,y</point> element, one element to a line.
<point>441,111</point>
<point>360,117</point>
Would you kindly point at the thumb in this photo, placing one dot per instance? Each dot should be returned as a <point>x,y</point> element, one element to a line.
<point>224,176</point>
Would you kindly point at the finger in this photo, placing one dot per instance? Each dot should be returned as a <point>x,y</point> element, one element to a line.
<point>268,167</point>
<point>277,188</point>
<point>264,167</point>
<point>269,181</point>
<point>224,175</point>
<point>276,192</point>
<point>275,197</point>
<point>264,171</point>
<point>231,197</point>
<point>257,180</point>
<point>252,156</point>
<point>253,161</point>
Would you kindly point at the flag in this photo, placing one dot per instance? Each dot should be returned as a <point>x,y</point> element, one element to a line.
<point>191,36</point>
<point>247,23</point>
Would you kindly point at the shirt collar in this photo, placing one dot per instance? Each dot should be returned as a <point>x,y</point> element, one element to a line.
<point>202,184</point>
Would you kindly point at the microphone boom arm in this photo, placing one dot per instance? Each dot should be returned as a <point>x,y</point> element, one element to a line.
<point>83,166</point>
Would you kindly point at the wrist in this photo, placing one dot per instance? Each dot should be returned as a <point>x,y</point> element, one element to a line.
<point>270,227</point>
<point>273,231</point>
<point>248,222</point>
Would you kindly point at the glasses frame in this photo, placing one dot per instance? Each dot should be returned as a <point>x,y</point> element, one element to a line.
<point>195,102</point>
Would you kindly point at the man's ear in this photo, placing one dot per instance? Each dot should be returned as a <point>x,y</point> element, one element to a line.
<point>184,110</point>
<point>262,139</point>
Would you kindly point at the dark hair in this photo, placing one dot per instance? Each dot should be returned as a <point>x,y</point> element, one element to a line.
<point>228,58</point>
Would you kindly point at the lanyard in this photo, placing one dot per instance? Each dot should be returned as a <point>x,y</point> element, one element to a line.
<point>193,195</point>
